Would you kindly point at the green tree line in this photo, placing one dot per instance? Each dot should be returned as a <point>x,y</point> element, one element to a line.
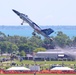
<point>34,43</point>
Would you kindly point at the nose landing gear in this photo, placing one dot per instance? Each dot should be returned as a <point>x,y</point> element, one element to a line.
<point>34,33</point>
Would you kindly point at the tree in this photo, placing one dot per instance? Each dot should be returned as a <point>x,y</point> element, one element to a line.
<point>22,53</point>
<point>39,49</point>
<point>62,39</point>
<point>36,41</point>
<point>14,47</point>
<point>23,39</point>
<point>24,47</point>
<point>31,46</point>
<point>3,47</point>
<point>74,41</point>
<point>8,47</point>
<point>2,36</point>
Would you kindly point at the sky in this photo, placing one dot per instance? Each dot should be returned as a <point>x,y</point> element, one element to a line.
<point>42,12</point>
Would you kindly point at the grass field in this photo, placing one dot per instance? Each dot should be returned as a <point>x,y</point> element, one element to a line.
<point>44,64</point>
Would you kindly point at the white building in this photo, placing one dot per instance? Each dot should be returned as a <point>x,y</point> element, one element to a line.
<point>56,54</point>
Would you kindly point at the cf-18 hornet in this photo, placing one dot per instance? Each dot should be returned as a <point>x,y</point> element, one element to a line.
<point>37,29</point>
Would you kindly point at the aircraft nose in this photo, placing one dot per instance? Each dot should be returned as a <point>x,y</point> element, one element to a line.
<point>16,12</point>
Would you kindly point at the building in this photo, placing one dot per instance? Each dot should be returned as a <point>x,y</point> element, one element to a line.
<point>56,54</point>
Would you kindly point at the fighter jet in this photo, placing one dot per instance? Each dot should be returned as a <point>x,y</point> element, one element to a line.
<point>37,29</point>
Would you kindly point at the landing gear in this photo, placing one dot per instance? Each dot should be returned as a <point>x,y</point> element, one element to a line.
<point>22,22</point>
<point>51,39</point>
<point>34,33</point>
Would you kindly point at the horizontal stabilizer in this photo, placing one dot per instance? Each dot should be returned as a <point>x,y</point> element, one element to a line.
<point>47,31</point>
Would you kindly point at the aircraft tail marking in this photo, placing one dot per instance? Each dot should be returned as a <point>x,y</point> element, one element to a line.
<point>47,31</point>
